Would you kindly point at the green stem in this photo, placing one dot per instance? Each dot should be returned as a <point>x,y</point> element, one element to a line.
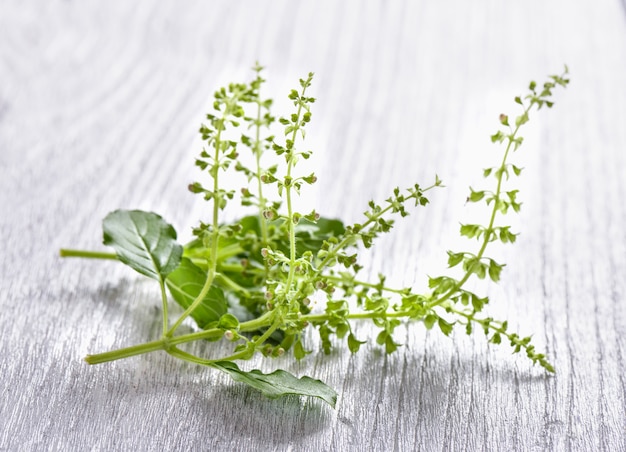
<point>339,279</point>
<point>214,233</point>
<point>489,230</point>
<point>65,252</point>
<point>166,342</point>
<point>348,240</point>
<point>277,322</point>
<point>126,352</point>
<point>292,226</point>
<point>257,154</point>
<point>178,353</point>
<point>164,303</point>
<point>314,318</point>
<point>225,280</point>
<point>196,302</point>
<point>238,268</point>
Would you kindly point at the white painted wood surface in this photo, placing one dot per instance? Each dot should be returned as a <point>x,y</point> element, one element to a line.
<point>99,107</point>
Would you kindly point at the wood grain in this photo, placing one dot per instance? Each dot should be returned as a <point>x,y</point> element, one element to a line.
<point>99,107</point>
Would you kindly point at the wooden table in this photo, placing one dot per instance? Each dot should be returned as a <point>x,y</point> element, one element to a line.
<point>99,108</point>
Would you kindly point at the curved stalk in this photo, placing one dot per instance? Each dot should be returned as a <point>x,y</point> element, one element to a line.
<point>489,230</point>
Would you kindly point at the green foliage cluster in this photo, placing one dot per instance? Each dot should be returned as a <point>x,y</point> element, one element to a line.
<point>251,281</point>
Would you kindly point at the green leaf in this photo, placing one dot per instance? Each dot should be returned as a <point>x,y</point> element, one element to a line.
<point>310,236</point>
<point>454,258</point>
<point>441,284</point>
<point>478,303</point>
<point>476,196</point>
<point>506,236</point>
<point>382,337</point>
<point>228,322</point>
<point>471,230</point>
<point>494,270</point>
<point>185,284</point>
<point>390,345</point>
<point>429,321</point>
<point>143,241</point>
<point>279,383</point>
<point>445,327</point>
<point>341,330</point>
<point>522,119</point>
<point>475,266</point>
<point>354,344</point>
<point>497,137</point>
<point>298,350</point>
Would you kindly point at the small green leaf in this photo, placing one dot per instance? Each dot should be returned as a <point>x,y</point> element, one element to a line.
<point>279,383</point>
<point>497,137</point>
<point>476,266</point>
<point>185,284</point>
<point>478,303</point>
<point>454,258</point>
<point>341,330</point>
<point>471,230</point>
<point>522,119</point>
<point>354,344</point>
<point>228,322</point>
<point>390,345</point>
<point>429,321</point>
<point>506,236</point>
<point>476,196</point>
<point>445,327</point>
<point>298,350</point>
<point>441,284</point>
<point>494,270</point>
<point>325,333</point>
<point>143,241</point>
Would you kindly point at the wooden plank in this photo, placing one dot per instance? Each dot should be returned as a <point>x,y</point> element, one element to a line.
<point>99,107</point>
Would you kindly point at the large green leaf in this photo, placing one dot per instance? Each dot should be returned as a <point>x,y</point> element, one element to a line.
<point>279,383</point>
<point>311,236</point>
<point>185,284</point>
<point>143,241</point>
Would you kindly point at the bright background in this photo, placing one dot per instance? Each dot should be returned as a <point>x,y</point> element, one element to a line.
<point>99,108</point>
